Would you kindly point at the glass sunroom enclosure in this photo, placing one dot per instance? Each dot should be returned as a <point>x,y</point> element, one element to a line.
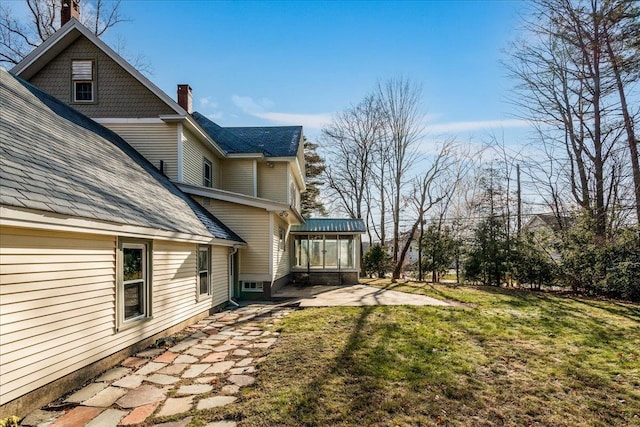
<point>327,251</point>
<point>324,251</point>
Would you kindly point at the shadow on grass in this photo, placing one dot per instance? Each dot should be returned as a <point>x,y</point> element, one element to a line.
<point>308,408</point>
<point>362,381</point>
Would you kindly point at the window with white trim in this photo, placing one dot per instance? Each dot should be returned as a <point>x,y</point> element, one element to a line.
<point>281,239</point>
<point>134,267</point>
<point>252,286</point>
<point>82,79</point>
<point>204,278</point>
<point>207,173</point>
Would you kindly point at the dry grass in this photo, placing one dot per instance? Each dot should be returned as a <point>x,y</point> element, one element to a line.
<point>504,358</point>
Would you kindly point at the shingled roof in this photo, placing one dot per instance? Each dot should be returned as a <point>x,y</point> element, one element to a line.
<point>272,141</point>
<point>55,159</point>
<point>331,225</point>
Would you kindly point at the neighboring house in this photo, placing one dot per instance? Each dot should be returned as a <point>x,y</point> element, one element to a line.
<point>549,222</point>
<point>545,229</point>
<point>250,178</point>
<point>101,254</point>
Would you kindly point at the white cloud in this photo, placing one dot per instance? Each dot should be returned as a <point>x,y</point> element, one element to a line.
<point>250,105</point>
<point>454,127</point>
<point>309,121</point>
<point>216,116</point>
<point>208,102</point>
<point>261,109</point>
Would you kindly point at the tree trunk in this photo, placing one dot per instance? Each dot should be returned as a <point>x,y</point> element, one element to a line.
<point>628,125</point>
<point>403,253</point>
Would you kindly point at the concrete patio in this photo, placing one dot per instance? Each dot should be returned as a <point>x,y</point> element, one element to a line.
<point>353,295</point>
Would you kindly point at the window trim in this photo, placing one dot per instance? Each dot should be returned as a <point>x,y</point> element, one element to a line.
<point>259,286</point>
<point>147,246</point>
<point>83,80</point>
<point>282,247</point>
<point>75,92</point>
<point>209,292</point>
<point>206,162</point>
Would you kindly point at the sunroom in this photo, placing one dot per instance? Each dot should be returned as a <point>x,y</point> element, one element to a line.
<point>326,251</point>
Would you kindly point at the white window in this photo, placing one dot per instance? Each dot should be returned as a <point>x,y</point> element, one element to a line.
<point>252,286</point>
<point>134,281</point>
<point>207,173</point>
<point>82,78</point>
<point>281,239</point>
<point>204,278</point>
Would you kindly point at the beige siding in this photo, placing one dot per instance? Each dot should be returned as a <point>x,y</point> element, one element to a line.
<point>194,154</point>
<point>155,141</point>
<point>252,224</point>
<point>272,181</point>
<point>175,289</point>
<point>58,302</point>
<point>56,291</point>
<point>237,176</point>
<point>280,251</point>
<point>294,192</point>
<point>118,94</point>
<point>220,274</point>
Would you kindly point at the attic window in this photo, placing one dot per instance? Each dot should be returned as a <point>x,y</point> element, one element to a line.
<point>82,80</point>
<point>207,173</point>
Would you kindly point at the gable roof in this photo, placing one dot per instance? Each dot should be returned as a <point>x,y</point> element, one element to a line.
<point>63,38</point>
<point>55,159</point>
<point>550,220</point>
<point>271,141</point>
<point>67,35</point>
<point>331,225</point>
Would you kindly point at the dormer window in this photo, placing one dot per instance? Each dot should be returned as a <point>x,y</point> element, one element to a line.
<point>207,173</point>
<point>82,78</point>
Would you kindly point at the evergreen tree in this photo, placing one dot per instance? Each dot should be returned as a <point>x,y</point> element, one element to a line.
<point>377,260</point>
<point>314,167</point>
<point>439,249</point>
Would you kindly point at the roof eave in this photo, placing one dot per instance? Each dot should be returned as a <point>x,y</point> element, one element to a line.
<point>246,155</point>
<point>193,126</point>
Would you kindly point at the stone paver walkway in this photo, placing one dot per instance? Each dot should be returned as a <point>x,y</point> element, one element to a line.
<point>206,368</point>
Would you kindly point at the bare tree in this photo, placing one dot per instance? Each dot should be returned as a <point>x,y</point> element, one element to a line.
<point>567,87</point>
<point>622,46</point>
<point>18,38</point>
<point>437,184</point>
<point>399,101</point>
<point>351,141</point>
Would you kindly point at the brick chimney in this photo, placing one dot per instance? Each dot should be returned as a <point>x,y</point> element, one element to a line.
<point>185,98</point>
<point>70,9</point>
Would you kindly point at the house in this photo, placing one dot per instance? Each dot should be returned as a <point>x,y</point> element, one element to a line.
<point>546,229</point>
<point>549,222</point>
<point>126,215</point>
<point>101,254</point>
<point>250,178</point>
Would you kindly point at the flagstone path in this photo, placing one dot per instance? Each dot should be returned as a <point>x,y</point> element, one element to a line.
<point>205,369</point>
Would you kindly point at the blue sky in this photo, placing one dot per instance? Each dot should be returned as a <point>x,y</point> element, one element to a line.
<point>274,63</point>
<point>299,62</point>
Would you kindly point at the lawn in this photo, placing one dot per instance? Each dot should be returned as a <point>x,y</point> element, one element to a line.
<point>501,358</point>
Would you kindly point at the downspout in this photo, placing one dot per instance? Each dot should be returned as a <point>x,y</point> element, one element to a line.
<point>231,254</point>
